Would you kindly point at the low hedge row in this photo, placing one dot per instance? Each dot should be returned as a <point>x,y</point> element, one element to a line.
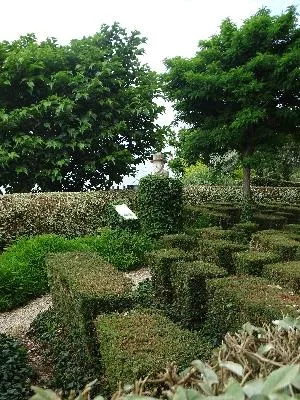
<point>285,274</point>
<point>140,343</point>
<point>188,280</point>
<point>68,214</point>
<point>277,242</point>
<point>198,194</point>
<point>233,300</point>
<point>253,262</point>
<point>83,286</point>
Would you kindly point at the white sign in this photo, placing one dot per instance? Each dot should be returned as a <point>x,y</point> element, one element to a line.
<point>125,212</point>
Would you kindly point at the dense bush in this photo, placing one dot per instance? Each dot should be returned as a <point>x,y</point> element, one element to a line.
<point>15,373</point>
<point>198,194</point>
<point>83,285</point>
<point>277,242</point>
<point>138,343</point>
<point>68,214</point>
<point>159,200</point>
<point>114,220</point>
<point>234,300</point>
<point>22,268</point>
<point>122,248</point>
<point>179,240</point>
<point>253,262</point>
<point>188,280</point>
<point>286,274</point>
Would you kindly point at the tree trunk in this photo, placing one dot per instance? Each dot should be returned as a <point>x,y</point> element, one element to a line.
<point>246,184</point>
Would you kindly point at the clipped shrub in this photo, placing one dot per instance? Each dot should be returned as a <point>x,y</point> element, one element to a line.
<point>233,301</point>
<point>22,268</point>
<point>243,231</point>
<point>140,343</point>
<point>83,285</point>
<point>15,372</point>
<point>252,262</point>
<point>160,263</point>
<point>214,232</point>
<point>266,221</point>
<point>68,214</point>
<point>188,280</point>
<point>293,228</point>
<point>220,252</point>
<point>159,200</point>
<point>286,274</point>
<point>277,242</point>
<point>179,240</point>
<point>122,248</point>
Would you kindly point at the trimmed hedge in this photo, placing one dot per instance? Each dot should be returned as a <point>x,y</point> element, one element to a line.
<point>266,221</point>
<point>159,200</point>
<point>234,301</point>
<point>202,217</point>
<point>286,274</point>
<point>243,231</point>
<point>83,285</point>
<point>214,232</point>
<point>15,372</point>
<point>277,242</point>
<point>220,252</point>
<point>68,214</point>
<point>22,268</point>
<point>139,343</point>
<point>198,194</point>
<point>253,262</point>
<point>160,263</point>
<point>188,280</point>
<point>180,240</point>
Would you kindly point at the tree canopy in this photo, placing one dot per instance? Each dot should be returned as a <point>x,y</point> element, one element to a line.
<point>241,91</point>
<point>75,115</point>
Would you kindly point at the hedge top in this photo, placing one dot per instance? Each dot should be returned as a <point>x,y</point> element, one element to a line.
<point>89,274</point>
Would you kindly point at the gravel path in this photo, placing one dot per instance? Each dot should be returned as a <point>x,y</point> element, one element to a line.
<point>17,322</point>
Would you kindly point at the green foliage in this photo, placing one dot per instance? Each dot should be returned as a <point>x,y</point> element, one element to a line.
<point>234,300</point>
<point>151,342</point>
<point>68,214</point>
<point>214,232</point>
<point>220,252</point>
<point>15,372</point>
<point>243,231</point>
<point>266,221</point>
<point>286,274</point>
<point>76,113</point>
<point>188,280</point>
<point>278,242</point>
<point>83,286</point>
<point>160,204</point>
<point>203,217</point>
<point>179,240</point>
<point>122,248</point>
<point>160,263</point>
<point>22,268</point>
<point>196,195</point>
<point>228,92</point>
<point>253,262</point>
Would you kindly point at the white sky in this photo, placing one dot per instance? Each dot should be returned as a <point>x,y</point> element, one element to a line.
<point>173,27</point>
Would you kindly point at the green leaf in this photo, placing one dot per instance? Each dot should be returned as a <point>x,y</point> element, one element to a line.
<point>235,390</point>
<point>254,387</point>
<point>264,348</point>
<point>43,394</point>
<point>233,367</point>
<point>208,374</point>
<point>280,378</point>
<point>187,394</point>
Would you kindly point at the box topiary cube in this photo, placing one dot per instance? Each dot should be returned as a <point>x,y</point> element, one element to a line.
<point>160,204</point>
<point>233,301</point>
<point>188,280</point>
<point>286,274</point>
<point>214,232</point>
<point>267,221</point>
<point>277,242</point>
<point>243,231</point>
<point>160,263</point>
<point>220,252</point>
<point>252,262</point>
<point>140,343</point>
<point>179,240</point>
<point>82,286</point>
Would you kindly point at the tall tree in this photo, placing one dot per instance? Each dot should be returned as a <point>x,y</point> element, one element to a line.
<point>77,115</point>
<point>241,89</point>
